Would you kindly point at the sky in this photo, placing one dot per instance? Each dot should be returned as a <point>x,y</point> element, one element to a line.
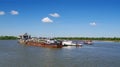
<point>60,18</point>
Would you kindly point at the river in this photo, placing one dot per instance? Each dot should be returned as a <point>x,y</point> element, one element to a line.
<point>100,54</point>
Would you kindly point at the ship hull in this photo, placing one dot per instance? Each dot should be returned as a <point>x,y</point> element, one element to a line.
<point>40,44</point>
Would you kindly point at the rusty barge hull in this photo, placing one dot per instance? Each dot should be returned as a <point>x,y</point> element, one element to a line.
<point>39,44</point>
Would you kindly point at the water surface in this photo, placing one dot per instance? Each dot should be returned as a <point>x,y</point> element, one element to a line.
<point>100,54</point>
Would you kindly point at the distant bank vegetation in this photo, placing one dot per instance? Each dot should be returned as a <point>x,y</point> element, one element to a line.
<point>89,38</point>
<point>69,38</point>
<point>8,38</point>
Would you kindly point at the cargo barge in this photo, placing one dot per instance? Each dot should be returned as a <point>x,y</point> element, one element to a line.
<point>42,44</point>
<point>39,42</point>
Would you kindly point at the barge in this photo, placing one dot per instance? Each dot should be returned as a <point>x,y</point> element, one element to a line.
<point>48,43</point>
<point>41,44</point>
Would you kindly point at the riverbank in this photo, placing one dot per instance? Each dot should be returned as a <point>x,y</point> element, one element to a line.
<point>8,38</point>
<point>115,39</point>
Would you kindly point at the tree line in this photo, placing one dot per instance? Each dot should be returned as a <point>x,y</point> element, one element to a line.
<point>69,38</point>
<point>90,38</point>
<point>8,38</point>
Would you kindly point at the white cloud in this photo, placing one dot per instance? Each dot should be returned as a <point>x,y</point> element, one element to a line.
<point>13,12</point>
<point>2,13</point>
<point>55,15</point>
<point>47,20</point>
<point>93,24</point>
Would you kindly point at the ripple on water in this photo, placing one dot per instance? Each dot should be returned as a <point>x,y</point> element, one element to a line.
<point>100,54</point>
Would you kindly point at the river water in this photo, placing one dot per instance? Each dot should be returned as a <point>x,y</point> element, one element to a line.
<point>100,54</point>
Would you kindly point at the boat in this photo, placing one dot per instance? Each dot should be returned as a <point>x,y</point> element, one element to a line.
<point>48,43</point>
<point>89,42</point>
<point>70,43</point>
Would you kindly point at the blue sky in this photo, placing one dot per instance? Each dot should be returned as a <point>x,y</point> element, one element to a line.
<point>59,18</point>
